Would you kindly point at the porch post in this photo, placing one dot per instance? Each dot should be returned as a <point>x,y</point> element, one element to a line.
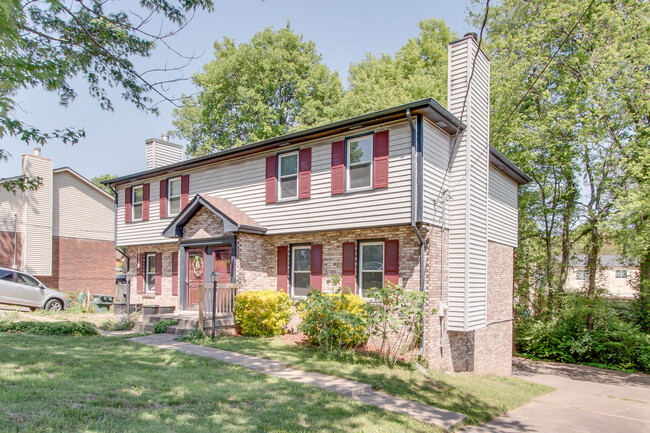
<point>182,283</point>
<point>233,261</point>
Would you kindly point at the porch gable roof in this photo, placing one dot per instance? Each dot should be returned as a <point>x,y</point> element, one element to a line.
<point>234,220</point>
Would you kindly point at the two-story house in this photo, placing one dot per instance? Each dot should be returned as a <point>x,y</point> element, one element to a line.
<point>408,194</point>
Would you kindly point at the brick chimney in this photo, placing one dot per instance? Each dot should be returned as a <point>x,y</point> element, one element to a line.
<point>161,151</point>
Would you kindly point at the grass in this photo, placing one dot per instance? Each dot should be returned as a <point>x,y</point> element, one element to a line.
<point>84,384</point>
<point>480,397</point>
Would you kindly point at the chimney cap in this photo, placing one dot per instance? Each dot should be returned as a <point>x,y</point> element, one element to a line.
<point>37,151</point>
<point>471,35</point>
<point>164,136</point>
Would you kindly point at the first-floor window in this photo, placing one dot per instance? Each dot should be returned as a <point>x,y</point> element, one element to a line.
<point>371,264</point>
<point>621,273</point>
<point>582,274</point>
<point>150,273</point>
<point>300,270</point>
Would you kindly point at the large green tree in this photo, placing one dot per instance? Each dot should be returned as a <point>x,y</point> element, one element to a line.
<point>418,70</point>
<point>580,70</point>
<point>273,84</point>
<point>46,44</point>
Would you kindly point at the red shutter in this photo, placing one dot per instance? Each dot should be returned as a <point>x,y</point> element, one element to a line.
<point>175,273</point>
<point>158,273</point>
<point>140,283</point>
<point>305,172</point>
<point>270,178</point>
<point>338,167</point>
<point>163,198</point>
<point>145,202</point>
<point>391,261</point>
<point>185,190</point>
<point>349,258</point>
<point>316,277</point>
<point>283,262</point>
<point>127,205</point>
<point>380,158</point>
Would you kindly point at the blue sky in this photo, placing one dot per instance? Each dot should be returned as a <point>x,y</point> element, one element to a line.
<point>344,31</point>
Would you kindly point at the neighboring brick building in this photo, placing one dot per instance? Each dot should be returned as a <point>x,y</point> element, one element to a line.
<point>62,233</point>
<point>409,195</point>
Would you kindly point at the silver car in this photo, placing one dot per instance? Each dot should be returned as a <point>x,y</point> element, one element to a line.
<point>19,288</point>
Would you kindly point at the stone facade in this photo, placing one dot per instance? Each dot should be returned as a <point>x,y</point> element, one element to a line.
<point>165,298</point>
<point>204,225</point>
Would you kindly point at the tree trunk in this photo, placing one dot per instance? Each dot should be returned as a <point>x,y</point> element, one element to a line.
<point>592,267</point>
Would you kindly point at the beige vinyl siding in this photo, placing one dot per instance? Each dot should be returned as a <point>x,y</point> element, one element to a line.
<point>435,161</point>
<point>242,183</point>
<point>503,225</point>
<point>468,208</point>
<point>10,206</point>
<point>160,154</point>
<point>80,211</point>
<point>37,218</point>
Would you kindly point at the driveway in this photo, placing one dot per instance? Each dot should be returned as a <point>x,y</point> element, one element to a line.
<point>586,399</point>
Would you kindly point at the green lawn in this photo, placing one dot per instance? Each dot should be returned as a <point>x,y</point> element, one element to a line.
<point>99,384</point>
<point>480,397</point>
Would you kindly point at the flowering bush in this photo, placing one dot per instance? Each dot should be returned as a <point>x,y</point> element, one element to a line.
<point>262,313</point>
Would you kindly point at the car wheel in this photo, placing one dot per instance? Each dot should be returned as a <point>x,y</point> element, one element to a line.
<point>54,305</point>
<point>32,309</point>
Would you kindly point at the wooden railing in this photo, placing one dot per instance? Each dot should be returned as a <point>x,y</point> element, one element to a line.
<point>225,298</point>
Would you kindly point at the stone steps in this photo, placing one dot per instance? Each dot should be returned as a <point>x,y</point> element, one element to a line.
<point>183,324</point>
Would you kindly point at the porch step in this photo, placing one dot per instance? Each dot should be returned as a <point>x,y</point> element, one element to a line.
<point>146,324</point>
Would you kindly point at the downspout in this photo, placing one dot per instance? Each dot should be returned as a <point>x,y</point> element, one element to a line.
<point>443,303</point>
<point>115,232</point>
<point>414,182</point>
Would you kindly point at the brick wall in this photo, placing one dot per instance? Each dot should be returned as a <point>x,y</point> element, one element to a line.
<point>7,249</point>
<point>165,298</point>
<point>203,225</point>
<point>79,264</point>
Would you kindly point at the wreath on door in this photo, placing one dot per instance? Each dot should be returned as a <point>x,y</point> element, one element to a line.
<point>197,265</point>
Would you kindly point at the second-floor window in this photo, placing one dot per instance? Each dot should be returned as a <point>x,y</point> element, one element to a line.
<point>359,163</point>
<point>288,176</point>
<point>136,203</point>
<point>174,196</point>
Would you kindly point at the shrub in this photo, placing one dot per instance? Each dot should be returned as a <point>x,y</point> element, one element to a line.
<point>161,326</point>
<point>50,328</point>
<point>121,325</point>
<point>262,313</point>
<point>335,320</point>
<point>192,335</point>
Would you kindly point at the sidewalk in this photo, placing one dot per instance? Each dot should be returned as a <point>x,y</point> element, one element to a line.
<point>348,388</point>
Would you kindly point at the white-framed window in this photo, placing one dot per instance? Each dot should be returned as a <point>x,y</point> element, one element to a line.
<point>371,267</point>
<point>150,273</point>
<point>136,203</point>
<point>288,176</point>
<point>621,273</point>
<point>300,270</point>
<point>582,274</point>
<point>359,163</point>
<point>173,196</point>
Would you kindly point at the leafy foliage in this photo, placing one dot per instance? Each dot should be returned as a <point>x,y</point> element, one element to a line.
<point>123,324</point>
<point>48,44</point>
<point>263,88</point>
<point>194,334</point>
<point>97,180</point>
<point>334,321</point>
<point>49,328</point>
<point>612,342</point>
<point>160,327</point>
<point>262,313</point>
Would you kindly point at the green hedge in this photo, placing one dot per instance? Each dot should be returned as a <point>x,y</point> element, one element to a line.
<point>50,328</point>
<point>262,313</point>
<point>161,326</point>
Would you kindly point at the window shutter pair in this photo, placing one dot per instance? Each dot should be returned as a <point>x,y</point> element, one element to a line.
<point>349,268</point>
<point>145,203</point>
<point>380,163</point>
<point>142,258</point>
<point>185,192</point>
<point>316,276</point>
<point>304,175</point>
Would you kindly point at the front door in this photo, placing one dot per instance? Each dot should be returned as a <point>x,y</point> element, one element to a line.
<point>195,276</point>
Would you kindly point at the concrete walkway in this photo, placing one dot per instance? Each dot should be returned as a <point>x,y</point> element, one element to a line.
<point>348,388</point>
<point>586,400</point>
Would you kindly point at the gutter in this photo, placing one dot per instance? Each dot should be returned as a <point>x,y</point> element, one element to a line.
<point>414,187</point>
